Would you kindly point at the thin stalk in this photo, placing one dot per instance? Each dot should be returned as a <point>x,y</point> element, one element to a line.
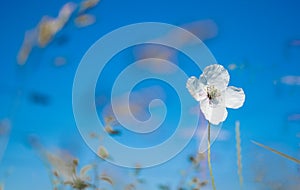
<point>239,154</point>
<point>277,152</point>
<point>209,160</point>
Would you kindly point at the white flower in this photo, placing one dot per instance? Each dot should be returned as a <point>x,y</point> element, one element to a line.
<point>214,94</point>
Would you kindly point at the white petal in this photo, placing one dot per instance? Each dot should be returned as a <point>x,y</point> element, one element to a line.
<point>215,75</point>
<point>214,114</point>
<point>196,88</point>
<point>234,97</point>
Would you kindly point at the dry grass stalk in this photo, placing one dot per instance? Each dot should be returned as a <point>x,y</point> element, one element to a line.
<point>239,150</point>
<point>277,152</point>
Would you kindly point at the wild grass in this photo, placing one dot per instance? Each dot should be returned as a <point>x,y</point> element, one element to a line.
<point>277,152</point>
<point>239,152</point>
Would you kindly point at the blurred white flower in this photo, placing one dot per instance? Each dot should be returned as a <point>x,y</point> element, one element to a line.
<point>214,94</point>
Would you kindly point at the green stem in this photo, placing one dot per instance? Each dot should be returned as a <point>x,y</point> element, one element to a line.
<point>209,160</point>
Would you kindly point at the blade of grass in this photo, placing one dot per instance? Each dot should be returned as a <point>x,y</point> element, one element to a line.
<point>209,160</point>
<point>239,150</point>
<point>277,152</point>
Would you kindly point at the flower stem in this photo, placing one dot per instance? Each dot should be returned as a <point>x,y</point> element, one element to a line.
<point>209,160</point>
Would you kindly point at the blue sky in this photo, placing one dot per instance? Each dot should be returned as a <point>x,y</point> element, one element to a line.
<point>256,36</point>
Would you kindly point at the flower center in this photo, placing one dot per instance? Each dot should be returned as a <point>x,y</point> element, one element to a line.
<point>212,93</point>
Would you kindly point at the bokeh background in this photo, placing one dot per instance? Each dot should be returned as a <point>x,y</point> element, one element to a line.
<point>257,41</point>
